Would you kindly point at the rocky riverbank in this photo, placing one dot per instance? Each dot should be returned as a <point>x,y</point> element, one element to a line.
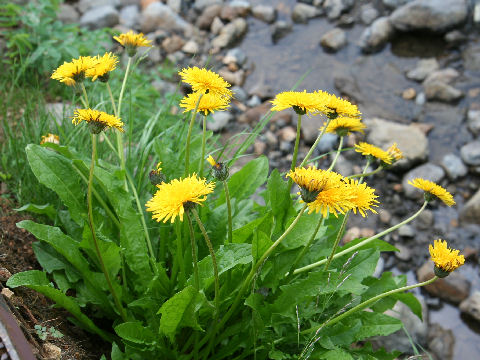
<point>413,67</point>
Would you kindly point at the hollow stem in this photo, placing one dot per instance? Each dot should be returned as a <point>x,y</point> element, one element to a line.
<point>314,146</point>
<point>337,240</point>
<point>119,306</point>
<point>339,150</point>
<point>297,142</point>
<point>204,140</point>
<point>120,151</point>
<point>377,170</point>
<point>85,96</point>
<point>194,253</point>
<point>362,243</point>
<point>112,99</point>
<point>368,302</point>
<point>189,135</point>
<point>229,212</point>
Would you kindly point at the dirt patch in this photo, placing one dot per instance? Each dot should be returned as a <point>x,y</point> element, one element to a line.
<point>31,308</point>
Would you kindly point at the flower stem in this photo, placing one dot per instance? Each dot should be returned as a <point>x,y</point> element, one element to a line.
<point>85,96</point>
<point>194,252</point>
<point>120,151</point>
<point>314,146</point>
<point>337,240</point>
<point>204,139</point>
<point>112,100</point>
<point>362,243</point>
<point>119,306</point>
<point>339,150</point>
<point>297,142</point>
<point>229,212</point>
<point>368,302</point>
<point>377,170</point>
<point>189,134</point>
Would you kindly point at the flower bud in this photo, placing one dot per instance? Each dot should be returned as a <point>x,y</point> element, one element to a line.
<point>156,176</point>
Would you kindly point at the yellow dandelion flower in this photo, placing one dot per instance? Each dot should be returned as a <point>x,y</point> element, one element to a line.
<point>205,81</point>
<point>301,101</point>
<point>211,160</point>
<point>208,103</point>
<point>371,150</point>
<point>363,197</point>
<point>108,62</point>
<point>431,188</point>
<point>322,190</point>
<point>131,41</point>
<point>395,152</point>
<point>445,259</point>
<point>74,71</point>
<point>97,120</point>
<point>335,106</point>
<point>173,198</point>
<point>50,138</point>
<point>344,126</point>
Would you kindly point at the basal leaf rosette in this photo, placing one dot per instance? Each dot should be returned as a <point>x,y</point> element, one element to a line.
<point>173,198</point>
<point>446,260</point>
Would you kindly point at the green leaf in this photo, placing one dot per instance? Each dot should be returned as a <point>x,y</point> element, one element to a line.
<point>375,324</point>
<point>261,242</point>
<point>337,354</point>
<point>411,301</point>
<point>243,234</point>
<point>179,312</point>
<point>279,200</point>
<point>46,209</point>
<point>56,172</point>
<point>245,182</point>
<point>303,231</point>
<point>37,280</point>
<point>135,332</point>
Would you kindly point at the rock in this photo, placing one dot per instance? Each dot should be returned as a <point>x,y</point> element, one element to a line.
<point>379,268</point>
<point>176,57</point>
<point>441,342</point>
<point>454,288</point>
<point>253,115</point>
<point>473,121</point>
<point>302,13</point>
<point>4,274</point>
<point>204,21</point>
<point>175,5</point>
<point>271,138</point>
<point>144,3</point>
<point>471,305</point>
<point>230,33</point>
<point>288,133</point>
<point>431,15</point>
<point>424,68</point>
<point>217,26</point>
<point>427,171</point>
<point>265,13</point>
<point>280,29</point>
<point>262,90</point>
<point>334,8</point>
<point>259,147</point>
<point>438,90</point>
<point>405,253</point>
<point>471,153</point>
<point>409,94</point>
<point>200,5</point>
<point>471,211</point>
<point>421,99</point>
<point>327,143</point>
<point>471,57</point>
<point>415,330</point>
<point>406,231</point>
<point>286,147</point>
<point>393,4</point>
<point>254,101</point>
<point>234,78</point>
<point>368,13</point>
<point>100,17</point>
<point>455,37</point>
<point>334,40</point>
<point>129,16</point>
<point>191,47</point>
<point>172,44</point>
<point>67,14</point>
<point>239,94</point>
<point>236,56</point>
<point>235,9</point>
<point>384,216</point>
<point>447,75</point>
<point>453,166</point>
<point>425,220</point>
<point>158,15</point>
<point>376,35</point>
<point>343,166</point>
<point>410,140</point>
<point>7,293</point>
<point>52,352</point>
<point>219,120</point>
<point>84,5</point>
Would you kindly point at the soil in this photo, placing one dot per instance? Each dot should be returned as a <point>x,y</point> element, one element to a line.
<point>31,308</point>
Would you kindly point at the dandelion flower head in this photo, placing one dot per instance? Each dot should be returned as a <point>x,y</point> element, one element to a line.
<point>205,81</point>
<point>395,152</point>
<point>211,160</point>
<point>335,106</point>
<point>363,197</point>
<point>97,120</point>
<point>209,103</point>
<point>104,64</point>
<point>172,198</point>
<point>431,188</point>
<point>371,150</point>
<point>343,125</point>
<point>444,258</point>
<point>50,138</point>
<point>74,71</point>
<point>132,41</point>
<point>301,101</point>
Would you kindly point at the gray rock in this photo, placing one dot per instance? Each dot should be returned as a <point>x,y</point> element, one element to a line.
<point>441,342</point>
<point>404,253</point>
<point>254,101</point>
<point>471,153</point>
<point>129,16</point>
<point>191,47</point>
<point>410,140</point>
<point>471,57</point>
<point>334,40</point>
<point>471,211</point>
<point>219,120</point>
<point>471,305</point>
<point>100,17</point>
<point>421,99</point>
<point>327,143</point>
<point>455,37</point>
<point>58,111</point>
<point>447,75</point>
<point>473,121</point>
<point>425,220</point>
<point>280,29</point>
<point>368,13</point>
<point>84,5</point>
<point>440,91</point>
<point>453,166</point>
<point>376,35</point>
<point>158,15</point>
<point>67,14</point>
<point>424,68</point>
<point>379,268</point>
<point>175,5</point>
<point>262,90</point>
<point>286,147</point>
<point>217,26</point>
<point>406,231</point>
<point>335,8</point>
<point>230,33</point>
<point>235,55</point>
<point>343,166</point>
<point>427,171</point>
<point>302,13</point>
<point>240,94</point>
<point>432,15</point>
<point>265,13</point>
<point>200,5</point>
<point>204,21</point>
<point>393,4</point>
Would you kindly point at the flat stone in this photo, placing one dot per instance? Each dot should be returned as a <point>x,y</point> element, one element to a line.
<point>471,211</point>
<point>100,17</point>
<point>454,167</point>
<point>219,120</point>
<point>191,47</point>
<point>440,91</point>
<point>335,8</point>
<point>424,68</point>
<point>280,29</point>
<point>253,115</point>
<point>471,153</point>
<point>158,15</point>
<point>427,171</point>
<point>376,35</point>
<point>200,5</point>
<point>265,13</point>
<point>302,13</point>
<point>471,305</point>
<point>334,40</point>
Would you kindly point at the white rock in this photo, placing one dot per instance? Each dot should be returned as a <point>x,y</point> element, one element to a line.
<point>129,16</point>
<point>158,15</point>
<point>265,13</point>
<point>473,121</point>
<point>302,13</point>
<point>334,40</point>
<point>424,68</point>
<point>376,35</point>
<point>191,47</point>
<point>471,305</point>
<point>219,120</point>
<point>100,17</point>
<point>471,211</point>
<point>471,153</point>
